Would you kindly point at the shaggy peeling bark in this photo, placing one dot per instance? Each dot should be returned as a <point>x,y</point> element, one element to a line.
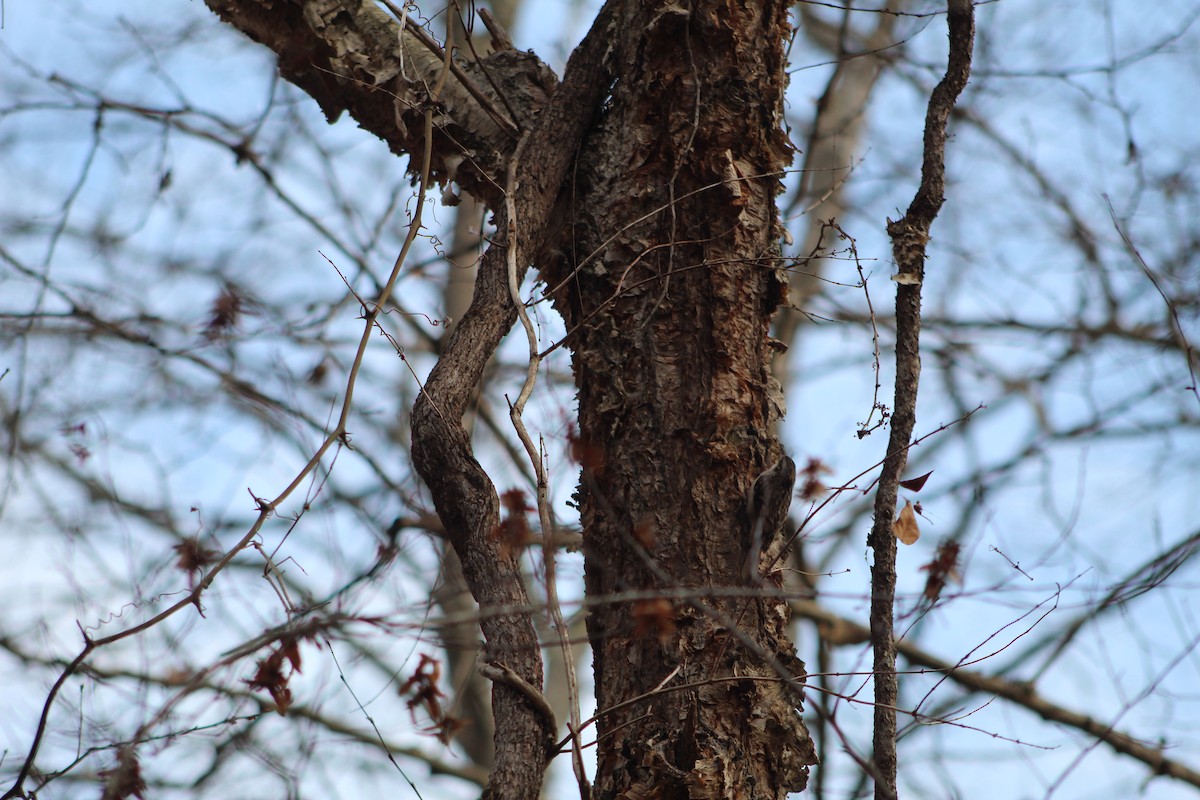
<point>351,56</point>
<point>662,255</point>
<point>668,283</point>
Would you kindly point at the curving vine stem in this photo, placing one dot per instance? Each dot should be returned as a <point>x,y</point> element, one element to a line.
<point>462,492</point>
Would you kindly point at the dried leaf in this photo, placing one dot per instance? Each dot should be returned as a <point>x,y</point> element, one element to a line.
<point>270,676</point>
<point>423,687</point>
<point>944,567</point>
<point>583,451</point>
<point>916,484</point>
<point>125,780</point>
<point>224,313</point>
<point>515,502</point>
<point>905,526</point>
<point>317,375</point>
<point>193,556</point>
<point>290,647</point>
<point>811,486</point>
<point>513,533</point>
<point>448,728</point>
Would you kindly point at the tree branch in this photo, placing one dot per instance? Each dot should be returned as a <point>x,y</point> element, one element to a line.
<point>909,237</point>
<point>462,492</point>
<point>350,55</point>
<point>1018,692</point>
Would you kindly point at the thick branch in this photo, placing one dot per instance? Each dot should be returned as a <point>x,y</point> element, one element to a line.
<point>462,492</point>
<point>350,55</point>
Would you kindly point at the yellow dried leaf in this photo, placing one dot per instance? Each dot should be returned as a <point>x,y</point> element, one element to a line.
<point>905,526</point>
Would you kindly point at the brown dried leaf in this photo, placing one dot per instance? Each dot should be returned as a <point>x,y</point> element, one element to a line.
<point>193,556</point>
<point>943,568</point>
<point>513,532</point>
<point>270,676</point>
<point>916,484</point>
<point>583,451</point>
<point>905,526</point>
<point>290,647</point>
<point>448,728</point>
<point>317,375</point>
<point>515,502</point>
<point>811,485</point>
<point>224,313</point>
<point>425,694</point>
<point>125,780</point>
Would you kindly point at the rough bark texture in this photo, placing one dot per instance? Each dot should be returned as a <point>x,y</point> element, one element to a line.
<point>463,493</point>
<point>349,56</point>
<point>668,283</point>
<point>662,255</point>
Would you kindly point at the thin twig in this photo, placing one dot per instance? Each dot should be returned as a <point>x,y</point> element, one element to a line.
<point>1180,337</point>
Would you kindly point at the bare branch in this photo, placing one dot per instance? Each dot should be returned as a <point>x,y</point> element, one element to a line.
<point>442,453</point>
<point>909,237</point>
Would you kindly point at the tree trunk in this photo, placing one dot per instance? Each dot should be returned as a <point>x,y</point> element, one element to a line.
<point>668,283</point>
<point>662,255</point>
